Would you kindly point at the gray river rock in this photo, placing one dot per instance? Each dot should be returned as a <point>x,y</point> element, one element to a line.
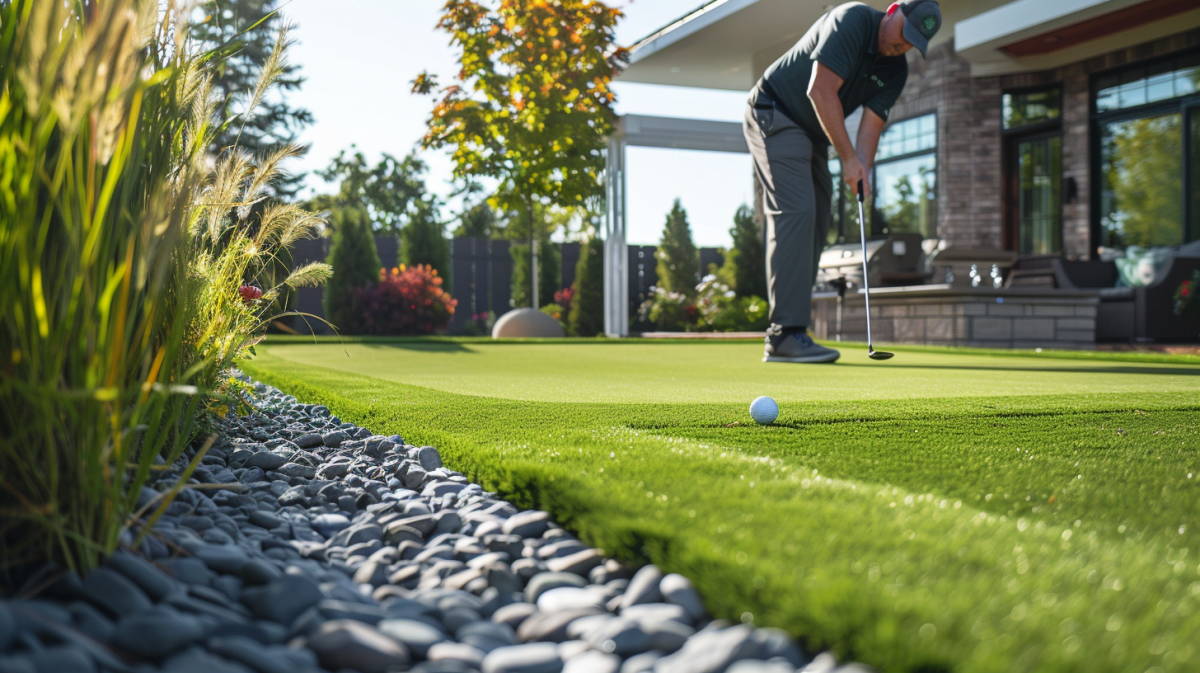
<point>319,546</point>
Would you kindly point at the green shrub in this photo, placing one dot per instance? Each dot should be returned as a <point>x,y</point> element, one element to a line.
<point>557,312</point>
<point>587,301</point>
<point>355,263</point>
<point>668,311</point>
<point>678,259</point>
<point>747,258</point>
<point>549,272</point>
<point>423,240</point>
<point>719,309</point>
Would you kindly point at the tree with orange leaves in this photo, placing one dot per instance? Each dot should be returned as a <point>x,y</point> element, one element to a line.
<point>532,103</point>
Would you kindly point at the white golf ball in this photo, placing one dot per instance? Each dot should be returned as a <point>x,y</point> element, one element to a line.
<point>764,410</point>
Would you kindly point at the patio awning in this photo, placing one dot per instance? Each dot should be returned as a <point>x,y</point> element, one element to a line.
<point>1032,35</point>
<point>728,44</point>
<point>723,44</point>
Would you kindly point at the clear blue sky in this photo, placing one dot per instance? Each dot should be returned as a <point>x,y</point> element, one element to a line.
<point>360,55</point>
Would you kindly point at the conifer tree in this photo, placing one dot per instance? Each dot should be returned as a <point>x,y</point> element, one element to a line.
<point>355,263</point>
<point>678,259</point>
<point>423,238</point>
<point>249,27</point>
<point>549,272</point>
<point>587,306</point>
<point>747,258</point>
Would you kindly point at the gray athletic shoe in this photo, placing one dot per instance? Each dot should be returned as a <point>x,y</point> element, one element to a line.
<point>798,348</point>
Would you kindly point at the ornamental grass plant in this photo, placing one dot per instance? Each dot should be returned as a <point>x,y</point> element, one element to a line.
<point>123,246</point>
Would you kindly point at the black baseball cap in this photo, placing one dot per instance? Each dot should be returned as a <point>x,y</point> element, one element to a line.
<point>923,18</point>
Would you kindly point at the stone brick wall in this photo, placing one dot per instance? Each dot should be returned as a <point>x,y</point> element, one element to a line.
<point>968,176</point>
<point>964,317</point>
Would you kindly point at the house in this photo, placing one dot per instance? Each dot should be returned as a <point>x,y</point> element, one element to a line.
<point>1066,132</point>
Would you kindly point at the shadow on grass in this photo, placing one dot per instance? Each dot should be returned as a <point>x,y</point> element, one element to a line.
<point>1154,371</point>
<point>420,346</point>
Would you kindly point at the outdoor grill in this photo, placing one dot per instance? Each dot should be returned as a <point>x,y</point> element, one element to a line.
<point>892,260</point>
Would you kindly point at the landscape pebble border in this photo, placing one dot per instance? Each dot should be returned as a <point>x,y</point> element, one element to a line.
<point>308,544</point>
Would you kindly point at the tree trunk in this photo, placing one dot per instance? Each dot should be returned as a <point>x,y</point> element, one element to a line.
<point>533,257</point>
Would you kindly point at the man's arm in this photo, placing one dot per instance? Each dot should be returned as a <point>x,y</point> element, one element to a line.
<point>869,131</point>
<point>823,89</point>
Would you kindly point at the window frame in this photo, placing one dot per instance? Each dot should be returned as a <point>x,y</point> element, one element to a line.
<point>1012,137</point>
<point>1035,127</point>
<point>1183,105</point>
<point>876,214</point>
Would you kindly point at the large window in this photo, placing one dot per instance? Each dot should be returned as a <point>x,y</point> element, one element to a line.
<point>1147,123</point>
<point>905,185</point>
<point>1141,193</point>
<point>906,178</point>
<point>844,228</point>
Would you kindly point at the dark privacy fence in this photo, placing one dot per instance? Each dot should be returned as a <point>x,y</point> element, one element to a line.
<point>480,275</point>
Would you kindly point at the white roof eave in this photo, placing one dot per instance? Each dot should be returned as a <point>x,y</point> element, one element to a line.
<point>701,18</point>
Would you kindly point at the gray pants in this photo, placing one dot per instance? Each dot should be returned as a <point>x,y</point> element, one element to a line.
<point>798,196</point>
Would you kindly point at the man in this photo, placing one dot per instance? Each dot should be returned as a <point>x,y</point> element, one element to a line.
<point>852,56</point>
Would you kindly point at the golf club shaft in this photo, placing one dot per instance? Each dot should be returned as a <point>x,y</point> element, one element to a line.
<point>862,235</point>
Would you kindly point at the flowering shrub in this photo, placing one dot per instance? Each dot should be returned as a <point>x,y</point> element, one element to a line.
<point>668,311</point>
<point>557,312</point>
<point>407,300</point>
<point>716,308</point>
<point>1186,303</point>
<point>564,298</point>
<point>480,324</point>
<point>719,308</point>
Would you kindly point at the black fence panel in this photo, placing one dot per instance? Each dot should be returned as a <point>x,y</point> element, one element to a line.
<point>570,259</point>
<point>481,276</point>
<point>311,299</point>
<point>709,256</point>
<point>482,279</point>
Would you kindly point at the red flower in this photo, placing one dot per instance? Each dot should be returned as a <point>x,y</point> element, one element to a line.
<point>564,296</point>
<point>250,293</point>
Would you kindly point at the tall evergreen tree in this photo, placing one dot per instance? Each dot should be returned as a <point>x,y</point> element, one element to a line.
<point>423,238</point>
<point>549,272</point>
<point>678,259</point>
<point>274,121</point>
<point>587,306</point>
<point>746,258</point>
<point>354,259</point>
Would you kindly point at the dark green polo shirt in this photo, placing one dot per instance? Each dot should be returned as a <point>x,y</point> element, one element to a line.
<point>845,40</point>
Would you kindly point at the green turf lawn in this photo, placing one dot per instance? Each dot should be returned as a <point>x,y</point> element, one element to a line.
<point>941,511</point>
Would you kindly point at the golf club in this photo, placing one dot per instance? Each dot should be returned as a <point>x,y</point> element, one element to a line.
<point>862,235</point>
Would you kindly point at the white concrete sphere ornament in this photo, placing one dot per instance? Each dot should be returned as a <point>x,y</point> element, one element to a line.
<point>525,323</point>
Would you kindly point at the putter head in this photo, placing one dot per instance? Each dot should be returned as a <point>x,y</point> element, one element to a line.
<point>879,355</point>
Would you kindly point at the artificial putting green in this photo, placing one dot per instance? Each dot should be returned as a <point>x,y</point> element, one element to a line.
<point>940,511</point>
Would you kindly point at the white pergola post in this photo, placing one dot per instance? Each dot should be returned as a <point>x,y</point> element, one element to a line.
<point>643,131</point>
<point>616,255</point>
